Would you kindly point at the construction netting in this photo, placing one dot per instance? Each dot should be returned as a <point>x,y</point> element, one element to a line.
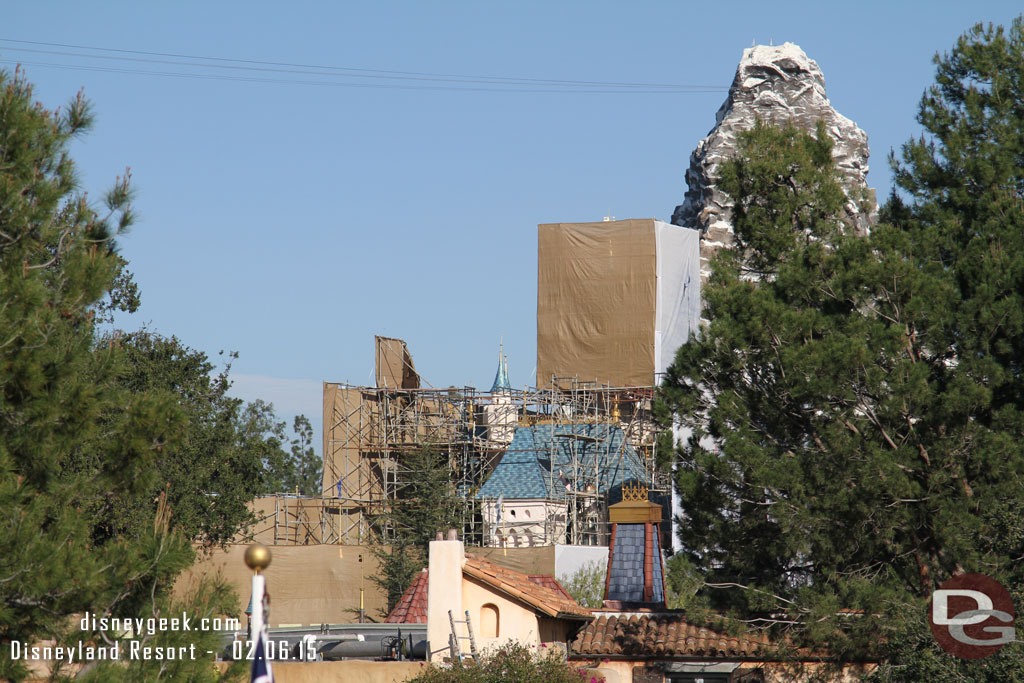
<point>615,299</point>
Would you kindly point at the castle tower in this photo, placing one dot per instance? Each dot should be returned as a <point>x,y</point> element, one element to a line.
<point>501,383</point>
<point>636,572</point>
<point>501,415</point>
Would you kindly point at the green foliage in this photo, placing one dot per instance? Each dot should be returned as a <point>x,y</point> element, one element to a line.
<point>426,504</point>
<point>912,656</point>
<point>586,584</point>
<point>227,452</point>
<point>94,435</point>
<point>511,663</point>
<point>208,599</point>
<point>965,180</point>
<point>72,439</point>
<point>682,581</point>
<point>789,192</point>
<point>215,471</point>
<point>855,400</point>
<point>296,470</point>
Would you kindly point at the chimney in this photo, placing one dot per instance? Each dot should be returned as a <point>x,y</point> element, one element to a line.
<point>444,592</point>
<point>636,573</point>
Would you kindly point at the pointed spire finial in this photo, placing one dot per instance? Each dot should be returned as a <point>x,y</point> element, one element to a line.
<point>501,382</point>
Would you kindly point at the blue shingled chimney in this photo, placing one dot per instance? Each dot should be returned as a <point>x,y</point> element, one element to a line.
<point>636,573</point>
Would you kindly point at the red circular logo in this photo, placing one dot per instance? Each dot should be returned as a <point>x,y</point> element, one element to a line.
<point>971,616</point>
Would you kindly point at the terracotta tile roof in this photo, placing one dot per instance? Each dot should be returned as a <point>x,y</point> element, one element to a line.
<point>412,606</point>
<point>550,582</point>
<point>661,635</point>
<point>542,598</point>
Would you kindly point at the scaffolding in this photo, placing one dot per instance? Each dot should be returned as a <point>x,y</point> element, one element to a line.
<point>369,431</point>
<point>601,437</point>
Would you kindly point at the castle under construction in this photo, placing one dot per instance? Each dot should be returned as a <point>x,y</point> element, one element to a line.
<point>533,466</point>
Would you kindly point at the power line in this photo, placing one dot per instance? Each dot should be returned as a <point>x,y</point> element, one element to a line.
<point>328,71</point>
<point>341,84</point>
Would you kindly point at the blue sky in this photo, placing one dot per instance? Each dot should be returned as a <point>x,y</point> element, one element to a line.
<point>291,222</point>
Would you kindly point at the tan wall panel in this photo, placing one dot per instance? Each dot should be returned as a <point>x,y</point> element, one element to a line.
<point>307,584</point>
<point>349,670</point>
<point>346,420</point>
<point>394,366</point>
<point>539,560</point>
<point>596,301</point>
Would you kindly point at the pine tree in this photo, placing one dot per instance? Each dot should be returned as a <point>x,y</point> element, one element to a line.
<point>855,400</point>
<point>306,465</point>
<point>965,214</point>
<point>425,504</point>
<point>71,439</point>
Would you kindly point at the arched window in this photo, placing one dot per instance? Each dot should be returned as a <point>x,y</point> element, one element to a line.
<point>489,626</point>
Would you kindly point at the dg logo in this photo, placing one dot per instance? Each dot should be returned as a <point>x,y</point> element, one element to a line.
<point>971,616</point>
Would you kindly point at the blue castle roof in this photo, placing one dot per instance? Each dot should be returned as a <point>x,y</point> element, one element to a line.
<point>501,382</point>
<point>530,466</point>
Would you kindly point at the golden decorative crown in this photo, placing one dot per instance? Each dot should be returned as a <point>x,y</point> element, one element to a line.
<point>638,492</point>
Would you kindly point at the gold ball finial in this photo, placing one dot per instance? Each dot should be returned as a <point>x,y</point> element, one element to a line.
<point>257,557</point>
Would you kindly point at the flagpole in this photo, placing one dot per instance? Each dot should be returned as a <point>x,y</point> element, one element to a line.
<point>257,558</point>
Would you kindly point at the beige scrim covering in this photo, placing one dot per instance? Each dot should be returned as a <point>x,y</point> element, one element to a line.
<point>596,299</point>
<point>394,366</point>
<point>294,520</point>
<point>311,584</point>
<point>342,406</point>
<point>307,584</point>
<point>539,560</point>
<point>367,432</point>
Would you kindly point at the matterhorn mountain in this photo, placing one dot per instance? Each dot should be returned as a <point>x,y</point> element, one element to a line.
<point>779,85</point>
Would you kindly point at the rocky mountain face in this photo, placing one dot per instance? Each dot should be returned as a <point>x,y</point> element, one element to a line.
<point>779,85</point>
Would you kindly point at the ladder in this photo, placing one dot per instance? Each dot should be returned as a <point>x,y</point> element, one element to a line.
<point>453,640</point>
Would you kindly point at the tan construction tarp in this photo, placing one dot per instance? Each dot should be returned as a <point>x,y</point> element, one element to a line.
<point>293,520</point>
<point>319,584</point>
<point>540,560</point>
<point>343,423</point>
<point>596,298</point>
<point>394,367</point>
<point>308,584</point>
<point>615,299</point>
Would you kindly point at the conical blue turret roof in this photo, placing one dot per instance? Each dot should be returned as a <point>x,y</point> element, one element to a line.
<point>501,382</point>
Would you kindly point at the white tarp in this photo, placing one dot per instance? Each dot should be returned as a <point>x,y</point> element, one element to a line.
<point>678,305</point>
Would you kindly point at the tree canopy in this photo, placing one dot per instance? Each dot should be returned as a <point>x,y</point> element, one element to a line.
<point>72,438</point>
<point>117,452</point>
<point>854,402</point>
<point>425,504</point>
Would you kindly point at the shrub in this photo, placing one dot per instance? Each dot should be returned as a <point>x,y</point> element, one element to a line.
<point>511,663</point>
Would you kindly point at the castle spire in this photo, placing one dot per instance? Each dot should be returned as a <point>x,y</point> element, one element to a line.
<point>501,382</point>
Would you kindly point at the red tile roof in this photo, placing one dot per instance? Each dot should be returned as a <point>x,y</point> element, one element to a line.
<point>549,601</point>
<point>661,635</point>
<point>549,581</point>
<point>412,606</point>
